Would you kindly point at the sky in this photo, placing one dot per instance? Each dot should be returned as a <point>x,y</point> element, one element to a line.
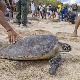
<point>70,1</point>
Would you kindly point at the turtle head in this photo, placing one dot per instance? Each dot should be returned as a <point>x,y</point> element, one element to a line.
<point>64,47</point>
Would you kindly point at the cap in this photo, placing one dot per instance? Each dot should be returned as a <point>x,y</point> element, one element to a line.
<point>49,4</point>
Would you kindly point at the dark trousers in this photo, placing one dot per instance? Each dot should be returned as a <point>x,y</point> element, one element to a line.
<point>41,14</point>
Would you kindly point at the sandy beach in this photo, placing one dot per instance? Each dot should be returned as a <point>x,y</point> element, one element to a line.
<point>38,70</point>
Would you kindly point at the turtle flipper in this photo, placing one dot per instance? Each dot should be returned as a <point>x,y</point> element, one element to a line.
<point>54,63</point>
<point>64,47</point>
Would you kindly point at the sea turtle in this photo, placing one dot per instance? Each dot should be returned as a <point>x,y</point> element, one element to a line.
<point>56,20</point>
<point>32,18</point>
<point>36,47</point>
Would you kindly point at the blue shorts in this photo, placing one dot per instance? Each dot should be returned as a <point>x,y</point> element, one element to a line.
<point>59,13</point>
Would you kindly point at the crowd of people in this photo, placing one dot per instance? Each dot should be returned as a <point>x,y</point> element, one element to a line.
<point>20,6</point>
<point>42,10</point>
<point>63,13</point>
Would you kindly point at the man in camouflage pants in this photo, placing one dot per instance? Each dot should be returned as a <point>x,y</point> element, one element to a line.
<point>21,8</point>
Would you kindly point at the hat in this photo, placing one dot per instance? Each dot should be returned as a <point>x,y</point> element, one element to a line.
<point>49,4</point>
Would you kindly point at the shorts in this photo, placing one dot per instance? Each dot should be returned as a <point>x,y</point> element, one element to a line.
<point>50,12</point>
<point>59,13</point>
<point>33,11</point>
<point>44,11</point>
<point>38,10</point>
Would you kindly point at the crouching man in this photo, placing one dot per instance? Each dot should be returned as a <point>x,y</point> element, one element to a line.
<point>52,11</point>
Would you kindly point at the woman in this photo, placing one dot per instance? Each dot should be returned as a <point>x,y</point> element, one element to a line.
<point>75,10</point>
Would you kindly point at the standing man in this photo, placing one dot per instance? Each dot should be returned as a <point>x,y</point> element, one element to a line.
<point>75,10</point>
<point>48,10</point>
<point>59,10</point>
<point>21,8</point>
<point>70,9</point>
<point>41,8</point>
<point>38,10</point>
<point>62,12</point>
<point>32,8</point>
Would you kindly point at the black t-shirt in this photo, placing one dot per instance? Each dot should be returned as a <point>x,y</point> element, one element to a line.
<point>53,9</point>
<point>75,8</point>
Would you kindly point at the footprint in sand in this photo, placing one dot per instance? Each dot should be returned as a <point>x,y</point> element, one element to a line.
<point>67,37</point>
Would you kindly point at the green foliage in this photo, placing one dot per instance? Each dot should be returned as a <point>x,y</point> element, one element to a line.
<point>66,5</point>
<point>78,8</point>
<point>54,3</point>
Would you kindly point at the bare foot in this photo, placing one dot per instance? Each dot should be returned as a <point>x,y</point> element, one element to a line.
<point>70,23</point>
<point>49,18</point>
<point>74,34</point>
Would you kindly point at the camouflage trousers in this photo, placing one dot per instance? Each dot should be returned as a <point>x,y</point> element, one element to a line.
<point>21,10</point>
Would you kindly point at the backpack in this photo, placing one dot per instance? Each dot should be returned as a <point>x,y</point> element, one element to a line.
<point>38,8</point>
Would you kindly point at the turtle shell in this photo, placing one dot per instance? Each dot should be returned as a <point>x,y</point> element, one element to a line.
<point>32,18</point>
<point>31,48</point>
<point>56,20</point>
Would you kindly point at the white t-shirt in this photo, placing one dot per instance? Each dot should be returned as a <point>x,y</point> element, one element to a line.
<point>70,9</point>
<point>47,8</point>
<point>16,1</point>
<point>32,6</point>
<point>40,7</point>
